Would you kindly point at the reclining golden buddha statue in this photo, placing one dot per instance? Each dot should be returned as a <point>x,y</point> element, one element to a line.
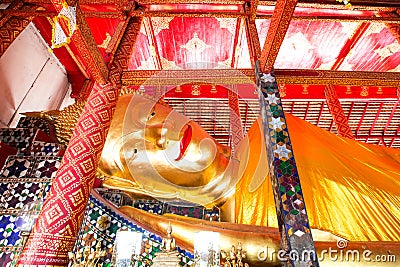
<point>351,189</point>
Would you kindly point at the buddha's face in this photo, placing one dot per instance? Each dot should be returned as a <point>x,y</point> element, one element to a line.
<point>164,151</point>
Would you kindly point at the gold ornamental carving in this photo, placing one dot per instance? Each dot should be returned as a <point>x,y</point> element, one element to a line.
<point>160,23</point>
<point>84,40</point>
<point>284,76</point>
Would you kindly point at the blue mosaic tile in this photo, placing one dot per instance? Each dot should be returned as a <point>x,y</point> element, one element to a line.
<point>46,167</point>
<point>17,167</point>
<point>6,258</point>
<point>101,224</point>
<point>19,138</point>
<point>35,123</point>
<point>21,193</point>
<point>9,233</point>
<point>40,148</point>
<point>152,206</point>
<point>116,197</point>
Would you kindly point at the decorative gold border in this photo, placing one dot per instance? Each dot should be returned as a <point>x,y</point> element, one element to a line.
<point>333,6</point>
<point>276,33</point>
<point>215,2</point>
<point>124,51</point>
<point>284,76</point>
<point>188,14</point>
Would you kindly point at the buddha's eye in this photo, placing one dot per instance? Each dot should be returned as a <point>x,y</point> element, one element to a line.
<point>151,114</point>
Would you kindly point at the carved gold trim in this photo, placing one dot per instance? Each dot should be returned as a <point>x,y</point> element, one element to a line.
<point>321,77</point>
<point>333,6</point>
<point>124,50</point>
<point>187,14</point>
<point>246,76</point>
<point>394,20</point>
<point>84,41</point>
<point>215,2</point>
<point>276,33</point>
<point>5,16</point>
<point>117,36</point>
<point>176,77</point>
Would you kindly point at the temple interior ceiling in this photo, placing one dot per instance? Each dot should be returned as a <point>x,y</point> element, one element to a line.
<point>354,49</point>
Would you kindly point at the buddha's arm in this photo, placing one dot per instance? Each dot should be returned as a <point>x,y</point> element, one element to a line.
<point>260,243</point>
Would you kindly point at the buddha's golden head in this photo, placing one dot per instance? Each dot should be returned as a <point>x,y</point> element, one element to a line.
<point>155,150</point>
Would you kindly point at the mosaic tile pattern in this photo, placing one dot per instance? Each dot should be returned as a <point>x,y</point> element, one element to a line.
<point>291,212</point>
<point>9,233</point>
<point>116,197</point>
<point>193,212</point>
<point>17,167</point>
<point>46,186</point>
<point>35,123</point>
<point>8,257</point>
<point>22,179</point>
<point>40,148</point>
<point>3,187</point>
<point>19,138</point>
<point>46,167</point>
<point>101,224</point>
<point>152,206</point>
<point>21,193</point>
<point>212,214</point>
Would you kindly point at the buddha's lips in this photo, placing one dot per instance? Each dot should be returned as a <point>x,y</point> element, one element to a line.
<point>185,141</point>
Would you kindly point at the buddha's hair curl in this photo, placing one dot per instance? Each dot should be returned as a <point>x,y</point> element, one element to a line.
<point>67,119</point>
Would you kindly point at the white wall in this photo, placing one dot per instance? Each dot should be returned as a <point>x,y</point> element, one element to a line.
<point>31,78</point>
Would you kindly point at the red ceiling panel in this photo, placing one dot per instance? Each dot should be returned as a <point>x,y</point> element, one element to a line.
<point>327,12</point>
<point>310,44</point>
<point>377,50</point>
<point>190,41</point>
<point>141,59</point>
<point>103,30</point>
<point>242,53</point>
<point>194,7</point>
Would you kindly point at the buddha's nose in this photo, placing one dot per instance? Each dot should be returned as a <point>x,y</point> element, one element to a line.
<point>159,134</point>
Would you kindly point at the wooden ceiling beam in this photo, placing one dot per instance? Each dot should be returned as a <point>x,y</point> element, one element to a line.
<point>393,28</point>
<point>235,43</point>
<point>85,46</point>
<point>197,14</point>
<point>356,3</point>
<point>279,25</point>
<point>388,5</point>
<point>202,2</point>
<point>253,40</point>
<point>246,76</point>
<point>351,42</point>
<point>330,18</point>
<point>5,14</point>
<point>325,77</point>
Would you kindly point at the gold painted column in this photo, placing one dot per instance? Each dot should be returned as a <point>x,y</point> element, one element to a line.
<point>56,229</point>
<point>336,110</point>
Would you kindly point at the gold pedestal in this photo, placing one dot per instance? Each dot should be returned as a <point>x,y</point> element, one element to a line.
<point>166,259</point>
